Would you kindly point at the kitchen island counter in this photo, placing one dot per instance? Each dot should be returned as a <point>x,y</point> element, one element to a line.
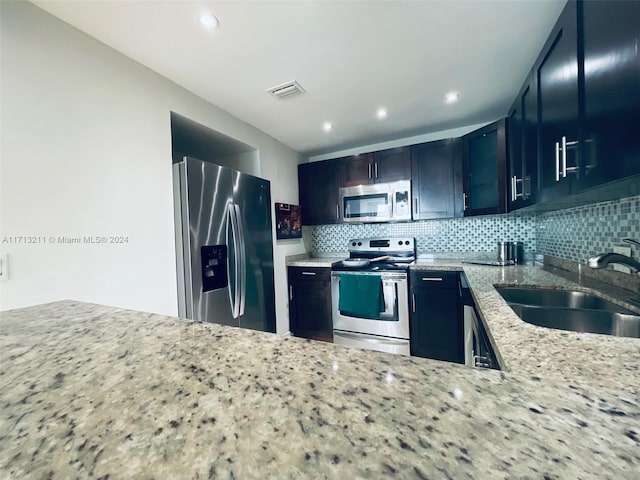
<point>91,391</point>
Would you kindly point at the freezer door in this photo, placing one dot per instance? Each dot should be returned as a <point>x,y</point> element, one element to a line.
<point>206,198</point>
<point>252,198</point>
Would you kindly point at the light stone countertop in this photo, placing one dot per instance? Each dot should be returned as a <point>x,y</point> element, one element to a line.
<point>89,391</point>
<point>314,261</point>
<point>597,360</point>
<point>590,359</point>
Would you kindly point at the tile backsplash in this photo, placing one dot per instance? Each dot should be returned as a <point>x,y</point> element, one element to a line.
<point>573,234</point>
<point>579,233</point>
<point>452,235</point>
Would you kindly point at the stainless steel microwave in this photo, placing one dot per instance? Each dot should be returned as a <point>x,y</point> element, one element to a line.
<point>380,202</point>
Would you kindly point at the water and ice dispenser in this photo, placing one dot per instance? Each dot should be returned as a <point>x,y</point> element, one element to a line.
<point>214,267</point>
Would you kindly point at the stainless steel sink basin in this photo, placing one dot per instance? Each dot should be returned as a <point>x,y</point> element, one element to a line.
<point>571,310</point>
<point>578,320</point>
<point>546,297</point>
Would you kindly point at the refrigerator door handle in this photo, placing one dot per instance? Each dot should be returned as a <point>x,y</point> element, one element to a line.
<point>243,260</point>
<point>234,292</point>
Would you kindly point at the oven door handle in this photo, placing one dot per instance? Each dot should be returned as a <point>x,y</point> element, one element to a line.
<point>370,339</point>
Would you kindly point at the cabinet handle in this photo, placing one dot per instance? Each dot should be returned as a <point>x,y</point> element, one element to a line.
<point>432,279</point>
<point>514,188</point>
<point>561,166</point>
<point>413,302</point>
<point>337,211</point>
<point>526,187</point>
<point>415,205</point>
<point>464,201</point>
<point>290,292</point>
<point>308,273</point>
<point>369,170</point>
<point>557,161</point>
<point>565,146</point>
<point>376,169</point>
<point>564,157</point>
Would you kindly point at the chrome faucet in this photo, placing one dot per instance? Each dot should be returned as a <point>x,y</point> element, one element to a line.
<point>604,259</point>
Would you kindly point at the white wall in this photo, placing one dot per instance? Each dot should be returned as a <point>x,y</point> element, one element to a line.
<point>86,150</point>
<point>400,142</point>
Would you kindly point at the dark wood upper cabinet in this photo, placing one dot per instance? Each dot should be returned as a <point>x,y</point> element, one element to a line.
<point>435,179</point>
<point>383,166</point>
<point>392,165</point>
<point>572,135</point>
<point>522,155</point>
<point>356,170</point>
<point>484,156</point>
<point>556,74</point>
<point>318,189</point>
<point>611,68</point>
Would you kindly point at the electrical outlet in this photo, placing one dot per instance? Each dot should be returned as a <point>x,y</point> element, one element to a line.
<point>622,251</point>
<point>4,267</point>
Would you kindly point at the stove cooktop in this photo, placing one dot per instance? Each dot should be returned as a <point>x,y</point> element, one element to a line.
<point>400,250</point>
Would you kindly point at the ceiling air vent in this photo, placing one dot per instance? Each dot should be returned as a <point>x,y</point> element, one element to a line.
<point>286,90</point>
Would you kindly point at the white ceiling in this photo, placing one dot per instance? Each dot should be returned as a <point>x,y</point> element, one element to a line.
<point>351,57</point>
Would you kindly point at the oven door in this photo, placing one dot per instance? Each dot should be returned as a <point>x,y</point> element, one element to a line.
<point>366,203</point>
<point>392,322</point>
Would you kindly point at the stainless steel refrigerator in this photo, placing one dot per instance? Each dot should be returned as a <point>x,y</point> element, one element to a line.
<point>224,246</point>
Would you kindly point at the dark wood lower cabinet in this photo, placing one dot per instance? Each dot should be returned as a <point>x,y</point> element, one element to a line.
<point>436,322</point>
<point>310,303</point>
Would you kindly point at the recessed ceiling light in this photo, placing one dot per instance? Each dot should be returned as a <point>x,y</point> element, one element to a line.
<point>381,113</point>
<point>207,20</point>
<point>327,126</point>
<point>451,97</point>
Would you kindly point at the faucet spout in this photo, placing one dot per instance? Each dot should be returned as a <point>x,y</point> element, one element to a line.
<point>604,259</point>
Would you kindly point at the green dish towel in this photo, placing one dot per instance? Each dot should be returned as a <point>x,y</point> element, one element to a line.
<point>361,296</point>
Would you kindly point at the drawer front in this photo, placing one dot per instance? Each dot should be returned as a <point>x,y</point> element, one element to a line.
<point>302,274</point>
<point>433,279</point>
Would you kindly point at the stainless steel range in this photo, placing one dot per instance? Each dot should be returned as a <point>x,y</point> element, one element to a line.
<point>370,295</point>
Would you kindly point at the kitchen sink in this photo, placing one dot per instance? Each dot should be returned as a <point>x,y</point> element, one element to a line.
<point>580,320</point>
<point>546,297</point>
<point>571,310</point>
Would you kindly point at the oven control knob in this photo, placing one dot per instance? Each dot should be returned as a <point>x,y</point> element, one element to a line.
<point>407,242</point>
<point>353,244</point>
<point>400,242</point>
<point>359,244</point>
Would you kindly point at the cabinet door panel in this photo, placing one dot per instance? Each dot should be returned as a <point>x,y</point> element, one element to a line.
<point>356,170</point>
<point>484,170</point>
<point>515,165</point>
<point>310,303</point>
<point>529,125</point>
<point>433,180</point>
<point>436,324</point>
<point>392,165</point>
<point>522,134</point>
<point>611,91</point>
<point>318,184</point>
<point>557,78</point>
